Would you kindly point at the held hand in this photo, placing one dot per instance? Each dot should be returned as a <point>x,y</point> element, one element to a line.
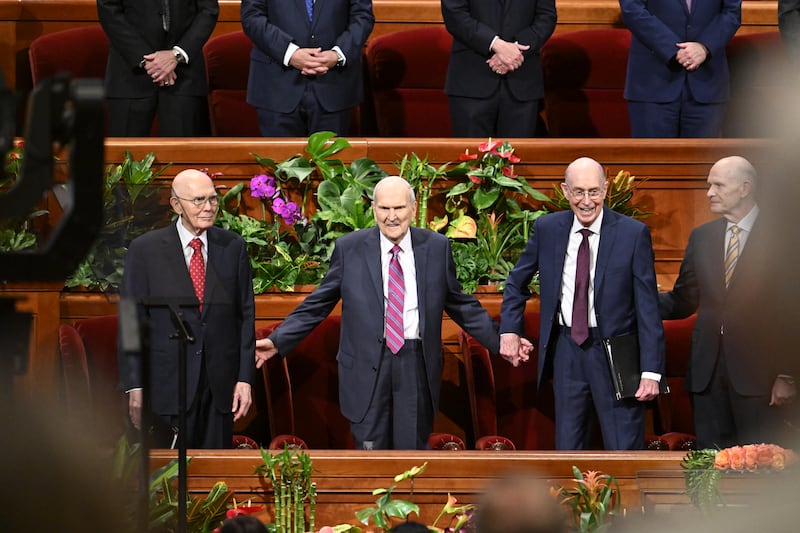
<point>135,407</point>
<point>648,390</point>
<point>159,65</point>
<point>691,55</point>
<point>510,347</point>
<point>242,399</point>
<point>525,349</point>
<point>265,349</point>
<point>783,391</point>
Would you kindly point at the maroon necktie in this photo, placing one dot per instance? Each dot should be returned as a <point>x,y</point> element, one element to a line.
<point>580,304</point>
<point>395,336</point>
<point>197,270</point>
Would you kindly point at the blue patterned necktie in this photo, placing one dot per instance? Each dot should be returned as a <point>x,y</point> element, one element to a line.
<point>310,9</point>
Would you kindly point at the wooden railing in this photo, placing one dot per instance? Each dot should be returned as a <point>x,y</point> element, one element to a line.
<point>345,479</point>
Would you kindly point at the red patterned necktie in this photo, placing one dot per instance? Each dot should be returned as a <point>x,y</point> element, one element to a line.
<point>395,336</point>
<point>197,270</point>
<point>580,304</point>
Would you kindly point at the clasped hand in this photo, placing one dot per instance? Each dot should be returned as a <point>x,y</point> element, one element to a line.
<point>160,66</point>
<point>514,348</point>
<point>507,56</point>
<point>313,61</point>
<point>691,55</point>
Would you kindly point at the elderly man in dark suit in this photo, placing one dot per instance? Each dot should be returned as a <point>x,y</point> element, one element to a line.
<point>677,82</point>
<point>305,67</point>
<point>394,282</point>
<point>737,376</point>
<point>156,65</point>
<point>597,280</point>
<point>186,259</point>
<point>494,80</point>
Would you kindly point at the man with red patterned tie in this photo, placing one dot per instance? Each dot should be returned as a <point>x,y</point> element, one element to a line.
<point>193,258</point>
<point>394,282</point>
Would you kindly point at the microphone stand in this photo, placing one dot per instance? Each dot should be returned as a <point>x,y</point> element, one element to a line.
<point>184,336</point>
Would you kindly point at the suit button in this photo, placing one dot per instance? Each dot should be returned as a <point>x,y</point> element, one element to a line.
<point>198,353</point>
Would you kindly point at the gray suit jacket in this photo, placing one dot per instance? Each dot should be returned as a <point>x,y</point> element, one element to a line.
<point>355,279</point>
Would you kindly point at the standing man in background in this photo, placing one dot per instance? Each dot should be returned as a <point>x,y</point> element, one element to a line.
<point>597,280</point>
<point>678,80</point>
<point>494,80</point>
<point>789,25</point>
<point>156,65</point>
<point>736,377</point>
<point>186,259</point>
<point>305,67</point>
<point>394,282</point>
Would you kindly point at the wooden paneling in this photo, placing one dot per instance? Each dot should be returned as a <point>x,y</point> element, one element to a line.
<point>345,479</point>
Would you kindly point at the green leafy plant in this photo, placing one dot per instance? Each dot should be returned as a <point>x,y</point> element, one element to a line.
<point>131,207</point>
<point>16,235</point>
<point>386,509</point>
<point>701,478</point>
<point>203,514</point>
<point>593,502</point>
<point>289,473</point>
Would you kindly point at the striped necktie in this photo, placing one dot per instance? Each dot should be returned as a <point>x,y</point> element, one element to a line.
<point>395,336</point>
<point>731,254</point>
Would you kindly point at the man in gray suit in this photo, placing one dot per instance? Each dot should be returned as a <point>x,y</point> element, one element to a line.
<point>388,385</point>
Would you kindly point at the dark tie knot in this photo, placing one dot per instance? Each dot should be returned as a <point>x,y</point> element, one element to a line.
<point>196,244</point>
<point>586,232</point>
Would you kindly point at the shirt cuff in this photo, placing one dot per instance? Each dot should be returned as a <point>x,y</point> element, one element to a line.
<point>290,50</point>
<point>133,389</point>
<point>651,375</point>
<point>340,54</point>
<point>182,52</point>
<point>492,43</point>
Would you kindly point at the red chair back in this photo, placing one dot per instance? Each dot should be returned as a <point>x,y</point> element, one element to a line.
<point>406,71</point>
<point>584,81</point>
<point>83,52</point>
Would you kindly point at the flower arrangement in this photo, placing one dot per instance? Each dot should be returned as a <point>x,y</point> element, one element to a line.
<point>592,503</point>
<point>703,468</point>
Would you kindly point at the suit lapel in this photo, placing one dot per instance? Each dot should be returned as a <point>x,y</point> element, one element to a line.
<point>561,243</point>
<point>608,235</point>
<point>747,255</point>
<point>215,263</point>
<point>419,243</point>
<point>716,258</point>
<point>372,256</point>
<point>176,261</point>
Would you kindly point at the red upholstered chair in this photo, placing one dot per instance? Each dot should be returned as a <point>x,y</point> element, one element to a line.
<point>228,64</point>
<point>89,365</point>
<point>584,80</point>
<point>503,399</point>
<point>673,417</point>
<point>82,52</point>
<point>759,67</point>
<point>406,73</point>
<point>302,390</point>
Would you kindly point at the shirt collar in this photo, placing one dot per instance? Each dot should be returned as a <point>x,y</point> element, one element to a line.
<point>594,227</point>
<point>186,237</point>
<point>747,222</point>
<point>387,245</point>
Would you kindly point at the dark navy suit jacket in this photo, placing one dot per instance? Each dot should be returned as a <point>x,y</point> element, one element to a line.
<point>657,26</point>
<point>273,24</point>
<point>625,289</point>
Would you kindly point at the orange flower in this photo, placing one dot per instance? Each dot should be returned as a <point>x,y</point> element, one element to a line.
<point>737,457</point>
<point>765,454</point>
<point>722,460</point>
<point>750,456</point>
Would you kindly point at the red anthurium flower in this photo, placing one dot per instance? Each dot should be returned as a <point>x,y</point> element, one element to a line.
<point>466,156</point>
<point>489,146</point>
<point>509,172</point>
<point>475,179</point>
<point>508,155</point>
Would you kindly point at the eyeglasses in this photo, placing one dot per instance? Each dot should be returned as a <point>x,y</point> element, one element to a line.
<point>200,202</point>
<point>593,194</point>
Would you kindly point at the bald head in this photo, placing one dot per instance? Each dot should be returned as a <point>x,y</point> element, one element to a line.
<point>585,167</point>
<point>195,200</point>
<point>731,187</point>
<point>394,207</point>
